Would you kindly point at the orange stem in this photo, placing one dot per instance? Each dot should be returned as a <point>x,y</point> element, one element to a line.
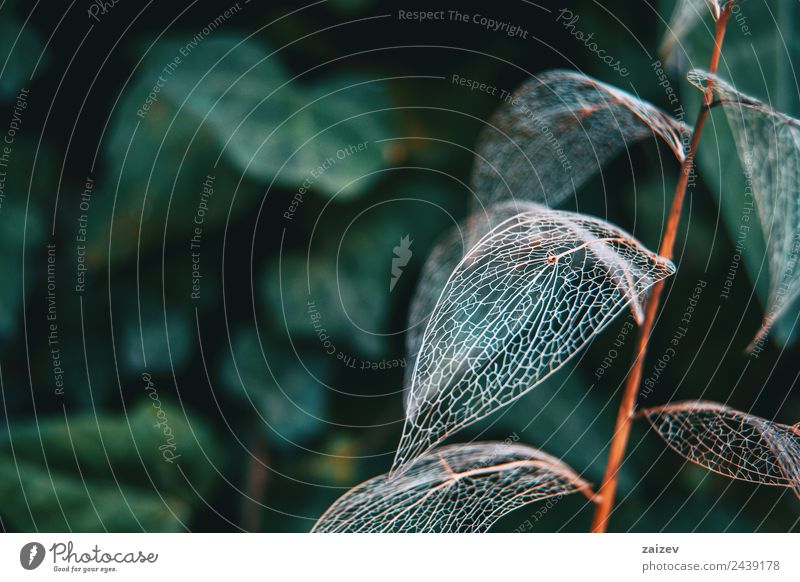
<point>622,429</point>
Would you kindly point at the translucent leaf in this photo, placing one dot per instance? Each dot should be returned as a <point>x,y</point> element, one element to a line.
<point>557,131</point>
<point>768,143</point>
<point>731,443</point>
<point>443,260</point>
<point>685,16</point>
<point>458,488</point>
<point>519,304</point>
<point>761,58</point>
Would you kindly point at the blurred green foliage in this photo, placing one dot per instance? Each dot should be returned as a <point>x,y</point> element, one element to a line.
<point>96,472</point>
<point>282,378</point>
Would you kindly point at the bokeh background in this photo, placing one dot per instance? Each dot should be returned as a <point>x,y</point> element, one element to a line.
<point>198,327</point>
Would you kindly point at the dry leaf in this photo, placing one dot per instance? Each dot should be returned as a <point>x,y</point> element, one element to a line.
<point>731,443</point>
<point>768,143</point>
<point>527,297</point>
<point>458,488</point>
<point>443,259</point>
<point>557,131</point>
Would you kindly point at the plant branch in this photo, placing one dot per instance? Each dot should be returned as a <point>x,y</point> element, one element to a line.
<point>622,429</point>
<point>257,477</point>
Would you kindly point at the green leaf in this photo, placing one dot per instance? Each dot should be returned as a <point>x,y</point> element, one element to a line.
<point>276,128</point>
<point>158,180</point>
<point>288,391</point>
<point>228,108</point>
<point>114,473</point>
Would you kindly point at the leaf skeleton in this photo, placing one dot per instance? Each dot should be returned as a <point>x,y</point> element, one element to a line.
<point>519,288</point>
